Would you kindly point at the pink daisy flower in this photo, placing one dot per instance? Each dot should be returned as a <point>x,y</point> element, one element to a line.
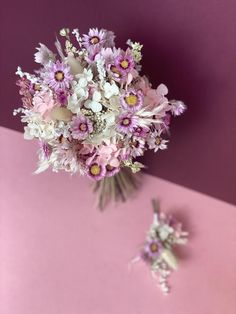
<point>101,38</point>
<point>152,249</point>
<point>126,122</point>
<point>124,62</point>
<point>57,75</point>
<point>95,37</point>
<point>156,142</point>
<point>132,100</point>
<point>96,171</point>
<point>81,127</point>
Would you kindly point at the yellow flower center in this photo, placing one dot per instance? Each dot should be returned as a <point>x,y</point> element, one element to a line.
<point>131,100</point>
<point>37,87</point>
<point>94,40</point>
<point>95,170</point>
<point>83,127</point>
<point>126,121</point>
<point>153,247</point>
<point>158,140</point>
<point>59,76</point>
<point>124,64</point>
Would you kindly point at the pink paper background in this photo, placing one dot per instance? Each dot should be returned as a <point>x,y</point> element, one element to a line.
<point>58,254</point>
<point>189,45</point>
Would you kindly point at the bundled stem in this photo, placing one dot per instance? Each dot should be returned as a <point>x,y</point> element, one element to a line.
<point>116,188</point>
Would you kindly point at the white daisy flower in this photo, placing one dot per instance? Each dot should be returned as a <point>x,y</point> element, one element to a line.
<point>156,142</point>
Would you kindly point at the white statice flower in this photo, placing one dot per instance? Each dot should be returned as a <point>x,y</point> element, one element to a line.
<point>110,89</point>
<point>32,78</point>
<point>101,69</point>
<point>94,104</point>
<point>75,32</point>
<point>156,142</point>
<point>43,55</point>
<point>40,130</point>
<point>136,50</point>
<point>37,127</point>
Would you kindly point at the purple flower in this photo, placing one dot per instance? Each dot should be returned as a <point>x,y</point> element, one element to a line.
<point>62,96</point>
<point>98,38</point>
<point>153,249</point>
<point>96,171</point>
<point>124,62</point>
<point>126,122</point>
<point>132,100</point>
<point>80,127</point>
<point>57,75</point>
<point>140,131</point>
<point>95,37</point>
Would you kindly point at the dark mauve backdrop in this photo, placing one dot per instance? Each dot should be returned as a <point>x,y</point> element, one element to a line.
<point>188,45</point>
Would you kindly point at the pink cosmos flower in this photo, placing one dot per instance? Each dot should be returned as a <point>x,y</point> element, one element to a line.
<point>43,102</point>
<point>152,249</point>
<point>80,127</point>
<point>132,100</point>
<point>96,171</point>
<point>124,62</point>
<point>126,123</point>
<point>100,38</point>
<point>57,75</point>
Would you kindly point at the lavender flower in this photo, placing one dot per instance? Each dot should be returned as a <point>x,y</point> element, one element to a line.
<point>57,75</point>
<point>96,171</point>
<point>153,249</point>
<point>81,127</point>
<point>124,62</point>
<point>99,38</point>
<point>126,122</point>
<point>132,100</point>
